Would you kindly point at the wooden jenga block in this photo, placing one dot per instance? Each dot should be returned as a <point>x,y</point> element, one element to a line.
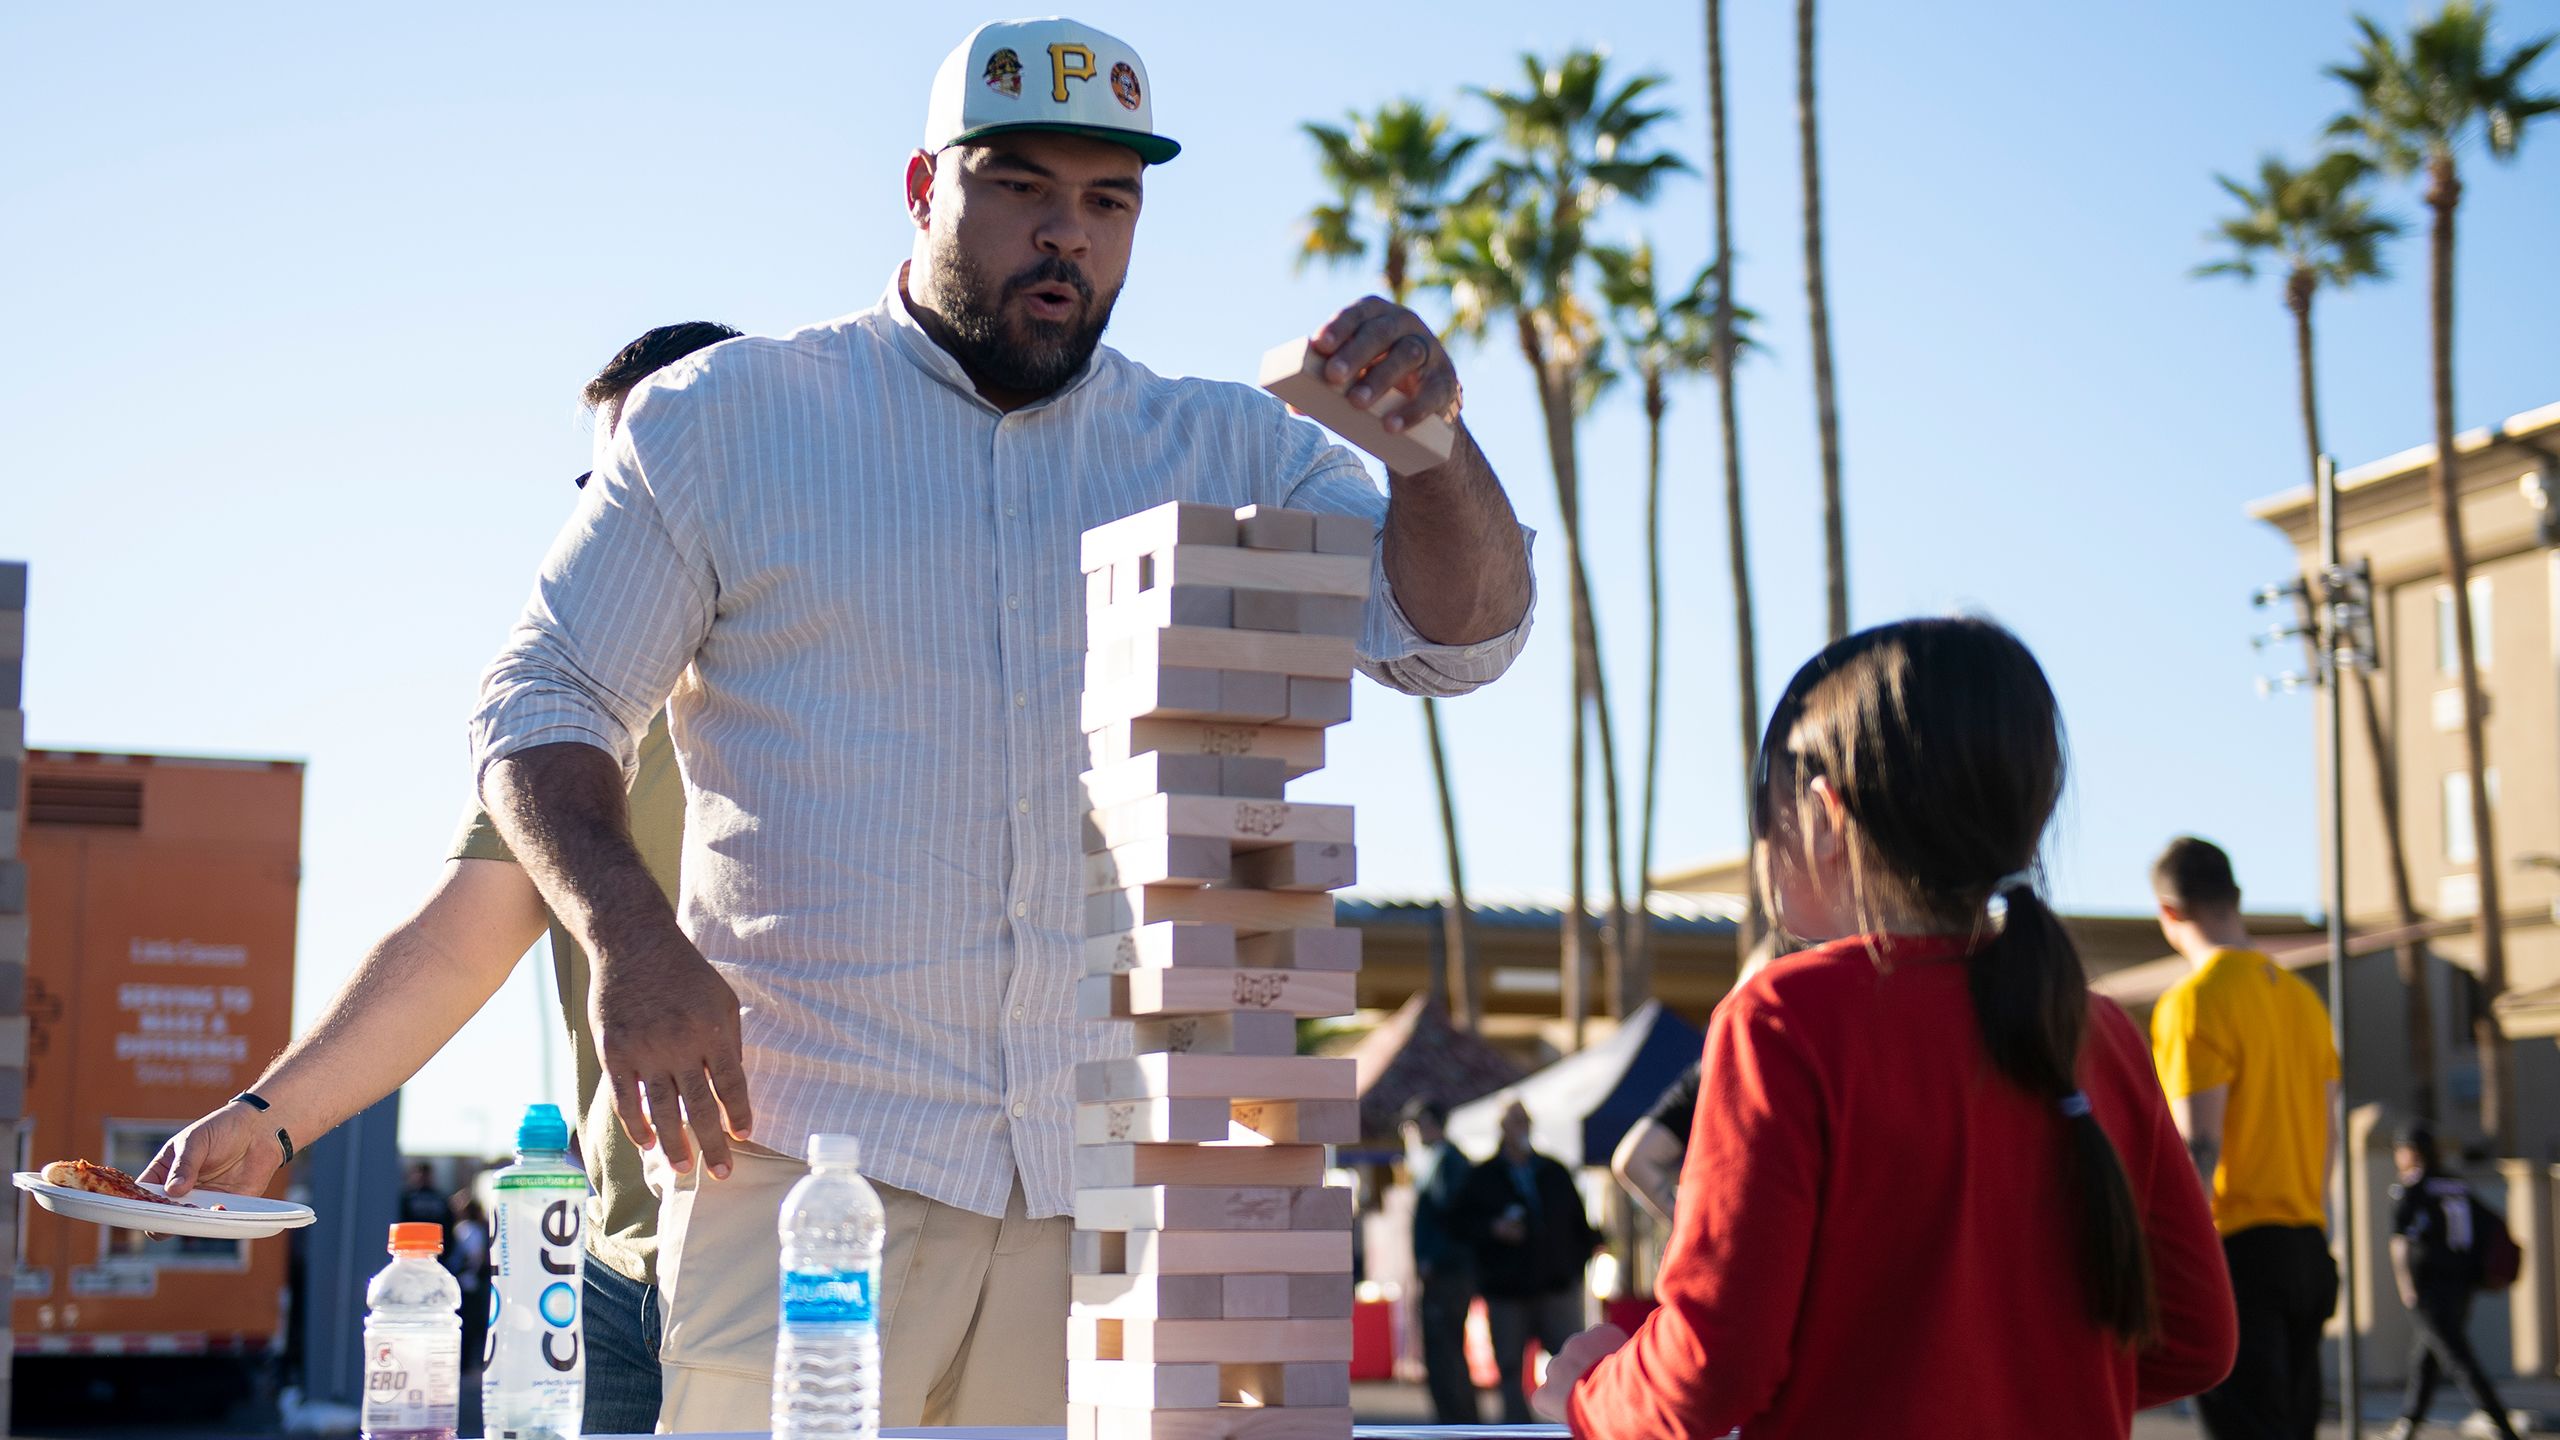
<point>1240,1077</point>
<point>1275,610</point>
<point>1153,1122</point>
<point>1314,701</point>
<point>1154,773</point>
<point>1298,865</point>
<point>1250,824</point>
<point>1164,860</point>
<point>1175,693</point>
<point>1294,371</point>
<point>1251,912</point>
<point>1238,1032</point>
<point>1213,1207</point>
<point>1165,945</point>
<point>1200,647</point>
<point>1297,750</point>
<point>1300,1122</point>
<point>1175,523</point>
<point>1100,1166</point>
<point>1344,534</point>
<point>1268,527</point>
<point>1151,1297</point>
<point>1322,948</point>
<point>1306,1383</point>
<point>1211,1252</point>
<point>1319,1297</point>
<point>1227,1422</point>
<point>1095,1337</point>
<point>1127,1384</point>
<point>1257,570</point>
<point>1142,993</point>
<point>1210,606</point>
<point>1332,615</point>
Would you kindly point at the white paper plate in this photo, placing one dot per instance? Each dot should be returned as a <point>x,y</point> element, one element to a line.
<point>242,1217</point>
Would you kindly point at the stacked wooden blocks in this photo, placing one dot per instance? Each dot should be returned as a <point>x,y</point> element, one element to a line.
<point>1212,1289</point>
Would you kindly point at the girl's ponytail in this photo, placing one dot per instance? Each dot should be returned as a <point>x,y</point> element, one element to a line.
<point>2031,1000</point>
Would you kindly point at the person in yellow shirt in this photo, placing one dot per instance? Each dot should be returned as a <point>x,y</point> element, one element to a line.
<point>2244,1052</point>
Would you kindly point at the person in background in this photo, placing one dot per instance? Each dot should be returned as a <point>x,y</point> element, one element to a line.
<point>1443,1262</point>
<point>1647,1160</point>
<point>1933,1188</point>
<point>2243,1050</point>
<point>419,984</point>
<point>468,1259</point>
<point>1521,1213</point>
<point>2437,1262</point>
<point>421,1203</point>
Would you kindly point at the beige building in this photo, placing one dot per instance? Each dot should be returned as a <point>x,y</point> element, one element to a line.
<point>2509,487</point>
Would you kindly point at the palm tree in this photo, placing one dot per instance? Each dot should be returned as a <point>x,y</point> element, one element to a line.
<point>1746,649</point>
<point>1392,173</point>
<point>1663,339</point>
<point>1826,409</point>
<point>1571,144</point>
<point>2313,225</point>
<point>2416,103</point>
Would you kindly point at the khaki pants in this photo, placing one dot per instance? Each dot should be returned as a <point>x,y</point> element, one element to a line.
<point>973,1310</point>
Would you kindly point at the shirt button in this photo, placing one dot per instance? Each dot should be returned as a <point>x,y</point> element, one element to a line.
<point>1020,908</point>
<point>1017,1012</point>
<point>1020,1109</point>
<point>1010,512</point>
<point>1023,804</point>
<point>1013,602</point>
<point>1021,698</point>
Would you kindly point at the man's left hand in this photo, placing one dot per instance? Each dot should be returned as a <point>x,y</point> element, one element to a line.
<point>1377,346</point>
<point>1554,1399</point>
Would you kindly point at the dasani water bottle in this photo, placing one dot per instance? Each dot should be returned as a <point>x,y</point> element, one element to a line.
<point>535,1384</point>
<point>412,1341</point>
<point>826,1373</point>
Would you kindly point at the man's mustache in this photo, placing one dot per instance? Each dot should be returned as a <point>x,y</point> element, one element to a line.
<point>1047,271</point>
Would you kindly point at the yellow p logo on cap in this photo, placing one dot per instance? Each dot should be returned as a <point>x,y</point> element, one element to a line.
<point>1060,72</point>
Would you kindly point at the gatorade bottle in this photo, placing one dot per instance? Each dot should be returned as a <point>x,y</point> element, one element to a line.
<point>826,1374</point>
<point>412,1341</point>
<point>534,1386</point>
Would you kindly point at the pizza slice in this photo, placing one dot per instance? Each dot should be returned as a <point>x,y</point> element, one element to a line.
<point>104,1180</point>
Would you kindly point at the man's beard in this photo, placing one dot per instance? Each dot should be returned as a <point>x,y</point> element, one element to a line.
<point>1034,356</point>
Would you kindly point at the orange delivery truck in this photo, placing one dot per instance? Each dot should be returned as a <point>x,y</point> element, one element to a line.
<point>160,901</point>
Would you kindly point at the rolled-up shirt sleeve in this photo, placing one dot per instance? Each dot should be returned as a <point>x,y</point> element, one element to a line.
<point>623,602</point>
<point>1392,651</point>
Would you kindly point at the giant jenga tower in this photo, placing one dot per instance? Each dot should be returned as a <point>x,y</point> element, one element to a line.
<point>1212,1264</point>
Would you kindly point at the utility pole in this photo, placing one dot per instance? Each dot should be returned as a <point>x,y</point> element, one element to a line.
<point>2333,611</point>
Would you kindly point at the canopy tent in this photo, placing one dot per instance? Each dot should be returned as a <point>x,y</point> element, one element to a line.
<point>1580,1106</point>
<point>1418,1052</point>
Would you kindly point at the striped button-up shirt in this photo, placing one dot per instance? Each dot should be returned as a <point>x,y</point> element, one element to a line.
<point>855,583</point>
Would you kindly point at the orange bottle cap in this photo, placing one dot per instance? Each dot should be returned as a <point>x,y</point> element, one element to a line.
<point>411,1235</point>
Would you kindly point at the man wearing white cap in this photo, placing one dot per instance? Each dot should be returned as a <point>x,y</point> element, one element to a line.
<point>850,555</point>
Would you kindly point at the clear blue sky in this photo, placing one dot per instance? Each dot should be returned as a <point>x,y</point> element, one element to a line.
<point>302,295</point>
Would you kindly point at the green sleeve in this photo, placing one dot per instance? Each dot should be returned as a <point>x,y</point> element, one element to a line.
<point>479,839</point>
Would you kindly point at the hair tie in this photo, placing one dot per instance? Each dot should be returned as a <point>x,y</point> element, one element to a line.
<point>2075,1105</point>
<point>2014,880</point>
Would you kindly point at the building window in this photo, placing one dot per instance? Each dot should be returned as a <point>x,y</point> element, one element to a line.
<point>2483,634</point>
<point>2461,842</point>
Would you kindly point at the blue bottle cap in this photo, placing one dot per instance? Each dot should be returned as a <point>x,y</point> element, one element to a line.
<point>543,1129</point>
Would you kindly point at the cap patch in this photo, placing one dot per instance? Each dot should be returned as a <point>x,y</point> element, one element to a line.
<point>1124,85</point>
<point>1061,71</point>
<point>1004,74</point>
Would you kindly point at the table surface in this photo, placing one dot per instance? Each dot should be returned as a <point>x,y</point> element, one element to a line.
<point>1058,1432</point>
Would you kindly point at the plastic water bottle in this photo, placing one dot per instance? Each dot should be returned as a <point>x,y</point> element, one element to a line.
<point>412,1341</point>
<point>826,1372</point>
<point>534,1384</point>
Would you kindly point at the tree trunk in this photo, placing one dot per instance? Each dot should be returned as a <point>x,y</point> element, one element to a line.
<point>1595,689</point>
<point>2417,1007</point>
<point>2497,1118</point>
<point>1555,403</point>
<point>1640,924</point>
<point>1454,980</point>
<point>1737,543</point>
<point>1835,542</point>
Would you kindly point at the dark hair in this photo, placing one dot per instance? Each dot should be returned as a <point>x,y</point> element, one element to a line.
<point>1943,743</point>
<point>2195,876</point>
<point>1426,1107</point>
<point>652,352</point>
<point>2420,1136</point>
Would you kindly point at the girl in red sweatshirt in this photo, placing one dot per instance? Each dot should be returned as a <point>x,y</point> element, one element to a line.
<point>1932,1188</point>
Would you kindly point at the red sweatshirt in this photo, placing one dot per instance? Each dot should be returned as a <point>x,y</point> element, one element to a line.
<point>1875,1234</point>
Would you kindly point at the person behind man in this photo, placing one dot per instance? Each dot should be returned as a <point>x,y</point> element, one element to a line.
<point>421,1203</point>
<point>856,547</point>
<point>1520,1211</point>
<point>1647,1160</point>
<point>2436,1258</point>
<point>1442,1260</point>
<point>2244,1053</point>
<point>419,984</point>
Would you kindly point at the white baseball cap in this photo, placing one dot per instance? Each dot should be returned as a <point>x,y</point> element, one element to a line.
<point>1054,74</point>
